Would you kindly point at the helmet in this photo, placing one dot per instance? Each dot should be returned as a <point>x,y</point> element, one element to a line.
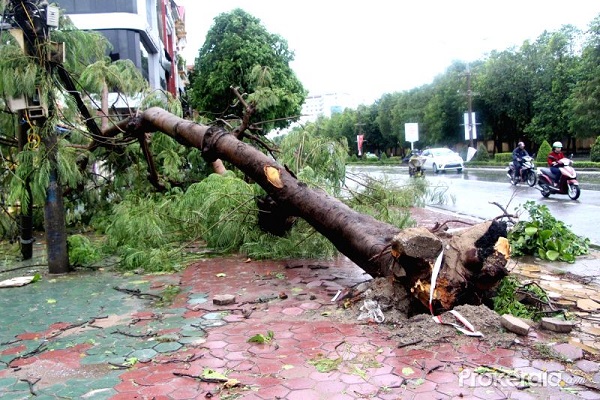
<point>557,144</point>
<point>521,144</point>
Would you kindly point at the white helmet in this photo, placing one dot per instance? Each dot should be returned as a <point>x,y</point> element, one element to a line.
<point>557,145</point>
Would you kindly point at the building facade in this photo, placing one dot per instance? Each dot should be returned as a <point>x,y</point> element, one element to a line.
<point>325,105</point>
<point>150,33</point>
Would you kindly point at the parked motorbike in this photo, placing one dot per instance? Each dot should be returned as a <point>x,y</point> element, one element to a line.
<point>567,182</point>
<point>415,166</point>
<point>527,172</point>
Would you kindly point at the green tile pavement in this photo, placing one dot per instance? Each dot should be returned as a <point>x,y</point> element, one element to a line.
<point>78,299</point>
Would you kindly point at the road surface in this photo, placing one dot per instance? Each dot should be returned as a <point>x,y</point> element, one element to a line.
<point>473,192</point>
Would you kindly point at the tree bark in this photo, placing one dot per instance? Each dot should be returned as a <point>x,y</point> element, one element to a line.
<point>54,214</point>
<point>472,264</point>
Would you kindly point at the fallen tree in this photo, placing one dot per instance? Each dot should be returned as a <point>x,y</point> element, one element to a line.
<point>473,261</point>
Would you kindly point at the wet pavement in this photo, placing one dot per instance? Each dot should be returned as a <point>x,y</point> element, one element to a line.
<point>102,335</point>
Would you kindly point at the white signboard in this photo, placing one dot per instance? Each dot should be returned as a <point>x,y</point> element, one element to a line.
<point>473,126</point>
<point>411,132</point>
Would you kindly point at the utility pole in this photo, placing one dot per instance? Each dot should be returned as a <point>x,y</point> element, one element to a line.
<point>26,215</point>
<point>470,106</point>
<point>32,18</point>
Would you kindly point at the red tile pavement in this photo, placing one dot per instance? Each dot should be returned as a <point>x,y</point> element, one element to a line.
<point>364,362</point>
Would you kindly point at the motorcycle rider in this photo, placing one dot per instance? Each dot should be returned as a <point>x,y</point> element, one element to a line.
<point>518,153</point>
<point>555,155</point>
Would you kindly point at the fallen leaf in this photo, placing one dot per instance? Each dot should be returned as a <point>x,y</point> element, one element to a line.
<point>221,275</point>
<point>407,371</point>
<point>231,383</point>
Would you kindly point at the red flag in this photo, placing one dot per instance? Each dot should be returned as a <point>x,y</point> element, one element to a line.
<point>359,140</point>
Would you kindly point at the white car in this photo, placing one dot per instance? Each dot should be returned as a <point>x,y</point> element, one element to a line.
<point>441,159</point>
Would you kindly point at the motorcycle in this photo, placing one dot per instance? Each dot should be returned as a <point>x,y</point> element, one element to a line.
<point>527,172</point>
<point>415,166</point>
<point>567,182</point>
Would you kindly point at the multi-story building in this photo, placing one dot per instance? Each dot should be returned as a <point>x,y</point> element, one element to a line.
<point>151,33</point>
<point>326,105</point>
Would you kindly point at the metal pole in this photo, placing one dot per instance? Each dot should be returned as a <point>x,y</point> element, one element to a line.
<point>470,106</point>
<point>26,215</point>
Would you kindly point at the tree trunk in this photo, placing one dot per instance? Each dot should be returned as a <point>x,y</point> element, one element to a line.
<point>54,214</point>
<point>104,107</point>
<point>472,264</point>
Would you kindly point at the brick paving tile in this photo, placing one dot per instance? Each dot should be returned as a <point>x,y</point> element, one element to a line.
<point>521,395</point>
<point>452,389</point>
<point>513,362</point>
<point>489,393</point>
<point>441,377</point>
<point>184,393</point>
<point>422,386</point>
<point>588,366</point>
<point>430,396</point>
<point>273,392</point>
<point>588,394</point>
<point>547,365</point>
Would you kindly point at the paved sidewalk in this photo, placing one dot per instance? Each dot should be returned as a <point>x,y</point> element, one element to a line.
<point>103,336</point>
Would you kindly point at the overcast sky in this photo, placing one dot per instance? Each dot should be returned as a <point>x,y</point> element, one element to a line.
<point>369,48</point>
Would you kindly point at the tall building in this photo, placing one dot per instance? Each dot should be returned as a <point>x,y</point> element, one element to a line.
<point>326,105</point>
<point>150,33</point>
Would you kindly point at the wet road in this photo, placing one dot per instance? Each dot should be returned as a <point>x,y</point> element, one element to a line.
<point>473,192</point>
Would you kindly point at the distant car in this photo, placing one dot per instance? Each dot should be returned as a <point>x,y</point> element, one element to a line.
<point>371,156</point>
<point>442,159</point>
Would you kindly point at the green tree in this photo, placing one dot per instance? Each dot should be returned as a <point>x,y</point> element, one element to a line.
<point>444,110</point>
<point>554,64</point>
<point>505,95</point>
<point>239,52</point>
<point>584,101</point>
<point>595,151</point>
<point>542,155</point>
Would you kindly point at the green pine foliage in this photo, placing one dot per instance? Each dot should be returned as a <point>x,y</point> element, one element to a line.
<point>388,202</point>
<point>315,159</point>
<point>506,302</point>
<point>82,252</point>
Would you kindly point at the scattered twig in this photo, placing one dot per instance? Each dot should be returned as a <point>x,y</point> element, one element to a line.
<point>31,383</point>
<point>201,378</point>
<point>10,342</point>
<point>23,267</point>
<point>119,366</point>
<point>186,360</point>
<point>135,335</point>
<point>505,214</point>
<point>317,266</point>
<point>401,345</point>
<point>287,266</point>
<point>438,227</point>
<point>41,347</point>
<point>430,370</point>
<point>137,293</point>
